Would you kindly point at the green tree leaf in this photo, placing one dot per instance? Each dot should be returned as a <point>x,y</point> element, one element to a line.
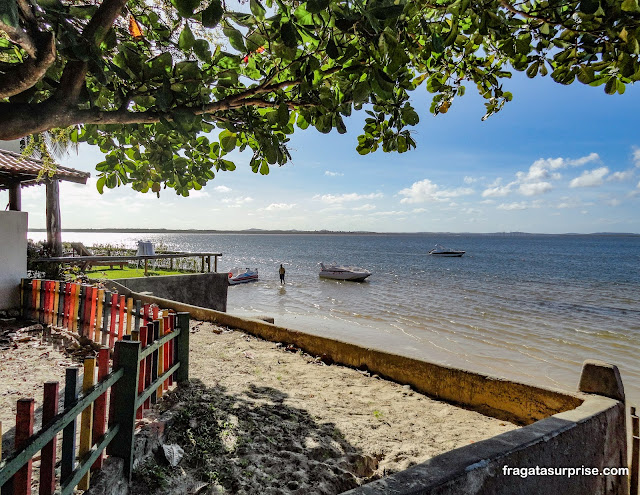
<point>186,40</point>
<point>228,141</point>
<point>289,35</point>
<point>212,15</point>
<point>236,40</point>
<point>185,7</point>
<point>257,9</point>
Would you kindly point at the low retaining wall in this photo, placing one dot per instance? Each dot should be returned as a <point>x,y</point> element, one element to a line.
<point>206,290</point>
<point>573,430</point>
<point>590,436</point>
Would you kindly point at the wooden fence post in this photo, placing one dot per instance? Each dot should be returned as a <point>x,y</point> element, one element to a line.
<point>100,405</point>
<point>113,318</point>
<point>24,430</point>
<point>68,461</point>
<point>154,358</point>
<point>148,364</point>
<point>137,320</point>
<point>48,453</point>
<point>124,398</point>
<point>105,318</point>
<point>182,341</point>
<point>82,304</point>
<point>121,309</point>
<point>635,452</point>
<point>142,373</point>
<point>86,418</point>
<point>129,311</point>
<point>56,302</point>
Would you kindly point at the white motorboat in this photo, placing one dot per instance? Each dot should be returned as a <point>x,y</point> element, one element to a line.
<point>342,272</point>
<point>242,275</point>
<point>442,251</point>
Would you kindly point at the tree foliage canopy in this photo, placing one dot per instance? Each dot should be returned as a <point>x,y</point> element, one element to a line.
<point>147,80</point>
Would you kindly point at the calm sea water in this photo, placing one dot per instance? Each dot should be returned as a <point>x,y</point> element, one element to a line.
<point>529,308</point>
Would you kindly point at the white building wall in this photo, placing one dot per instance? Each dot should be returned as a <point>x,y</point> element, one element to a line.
<point>13,256</point>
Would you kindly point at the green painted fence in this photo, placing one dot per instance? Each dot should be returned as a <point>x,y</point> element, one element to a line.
<point>145,364</point>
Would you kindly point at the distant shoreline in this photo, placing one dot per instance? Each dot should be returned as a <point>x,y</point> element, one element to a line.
<point>330,232</point>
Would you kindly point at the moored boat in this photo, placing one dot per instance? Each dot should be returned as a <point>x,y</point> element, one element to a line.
<point>343,272</point>
<point>242,275</point>
<point>442,251</point>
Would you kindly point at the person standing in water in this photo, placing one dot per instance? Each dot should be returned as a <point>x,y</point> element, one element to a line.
<point>282,272</point>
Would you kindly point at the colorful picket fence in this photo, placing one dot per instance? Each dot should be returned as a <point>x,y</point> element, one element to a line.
<point>147,360</point>
<point>92,312</point>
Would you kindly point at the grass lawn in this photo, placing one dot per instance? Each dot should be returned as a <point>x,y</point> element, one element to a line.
<point>126,272</point>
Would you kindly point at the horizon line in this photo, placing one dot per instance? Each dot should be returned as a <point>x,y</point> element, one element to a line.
<point>320,231</point>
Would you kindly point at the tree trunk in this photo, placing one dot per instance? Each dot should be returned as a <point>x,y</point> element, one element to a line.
<point>54,235</point>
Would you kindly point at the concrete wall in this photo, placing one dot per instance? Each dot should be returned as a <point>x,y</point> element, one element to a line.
<point>206,290</point>
<point>592,435</point>
<point>13,256</point>
<point>573,430</point>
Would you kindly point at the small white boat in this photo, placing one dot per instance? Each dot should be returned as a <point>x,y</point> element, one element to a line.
<point>342,272</point>
<point>440,250</point>
<point>242,275</point>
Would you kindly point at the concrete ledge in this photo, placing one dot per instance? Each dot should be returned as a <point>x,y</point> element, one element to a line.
<point>206,290</point>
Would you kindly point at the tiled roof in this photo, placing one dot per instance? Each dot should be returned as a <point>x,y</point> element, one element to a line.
<point>17,168</point>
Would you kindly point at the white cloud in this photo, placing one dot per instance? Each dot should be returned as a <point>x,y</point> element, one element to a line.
<point>513,206</point>
<point>537,180</point>
<point>636,157</point>
<point>198,194</point>
<point>418,210</point>
<point>590,178</point>
<point>392,213</point>
<point>222,189</point>
<point>535,188</point>
<point>340,198</point>
<point>333,174</point>
<point>366,207</point>
<point>237,202</point>
<point>614,202</point>
<point>571,202</point>
<point>621,176</point>
<point>497,190</point>
<point>469,180</point>
<point>425,190</point>
<point>592,157</point>
<point>279,206</point>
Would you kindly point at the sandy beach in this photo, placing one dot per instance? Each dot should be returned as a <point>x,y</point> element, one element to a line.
<point>260,417</point>
<point>286,422</point>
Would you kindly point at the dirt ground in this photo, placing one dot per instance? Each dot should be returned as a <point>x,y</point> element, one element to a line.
<point>260,417</point>
<point>25,364</point>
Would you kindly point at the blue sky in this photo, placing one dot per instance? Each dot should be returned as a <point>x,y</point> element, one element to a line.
<point>556,159</point>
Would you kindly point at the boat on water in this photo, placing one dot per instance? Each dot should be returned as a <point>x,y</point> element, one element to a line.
<point>442,251</point>
<point>343,272</point>
<point>242,275</point>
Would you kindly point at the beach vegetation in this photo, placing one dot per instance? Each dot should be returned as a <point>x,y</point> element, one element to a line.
<point>151,474</point>
<point>169,89</point>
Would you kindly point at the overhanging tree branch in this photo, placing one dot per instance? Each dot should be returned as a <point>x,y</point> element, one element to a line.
<point>27,74</point>
<point>73,76</point>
